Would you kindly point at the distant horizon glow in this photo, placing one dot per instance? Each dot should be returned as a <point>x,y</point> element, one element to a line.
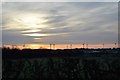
<point>63,46</point>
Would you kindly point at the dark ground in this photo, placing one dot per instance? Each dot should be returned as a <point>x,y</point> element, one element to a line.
<point>77,64</point>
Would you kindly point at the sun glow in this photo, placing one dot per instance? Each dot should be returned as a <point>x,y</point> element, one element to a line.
<point>30,19</point>
<point>36,34</point>
<point>33,21</point>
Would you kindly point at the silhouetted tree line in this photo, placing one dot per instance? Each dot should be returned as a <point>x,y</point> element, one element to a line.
<point>61,69</point>
<point>37,53</point>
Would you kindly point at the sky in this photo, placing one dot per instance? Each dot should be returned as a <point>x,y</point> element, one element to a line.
<point>59,23</point>
<point>60,0</point>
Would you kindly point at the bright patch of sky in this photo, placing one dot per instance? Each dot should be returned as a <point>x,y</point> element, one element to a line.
<point>60,23</point>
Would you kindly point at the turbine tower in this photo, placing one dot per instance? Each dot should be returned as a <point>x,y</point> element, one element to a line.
<point>103,45</point>
<point>50,46</point>
<point>53,46</point>
<point>70,46</point>
<point>115,45</point>
<point>67,46</point>
<point>24,45</point>
<point>83,45</point>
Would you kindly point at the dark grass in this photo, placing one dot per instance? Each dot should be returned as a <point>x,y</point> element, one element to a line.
<point>77,64</point>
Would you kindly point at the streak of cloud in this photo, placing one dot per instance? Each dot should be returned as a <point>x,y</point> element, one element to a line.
<point>60,22</point>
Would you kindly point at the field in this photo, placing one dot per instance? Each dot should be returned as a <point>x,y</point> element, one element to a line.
<point>87,66</point>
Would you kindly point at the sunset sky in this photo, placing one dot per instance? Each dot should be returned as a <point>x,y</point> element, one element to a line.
<point>59,23</point>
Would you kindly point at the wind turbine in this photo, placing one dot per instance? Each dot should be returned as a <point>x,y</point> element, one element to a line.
<point>115,45</point>
<point>50,46</point>
<point>67,46</point>
<point>53,46</point>
<point>103,45</point>
<point>24,45</point>
<point>70,46</point>
<point>83,45</point>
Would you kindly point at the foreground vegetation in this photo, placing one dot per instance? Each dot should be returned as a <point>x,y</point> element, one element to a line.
<point>79,67</point>
<point>38,53</point>
<point>62,68</point>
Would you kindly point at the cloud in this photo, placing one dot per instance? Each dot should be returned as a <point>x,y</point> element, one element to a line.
<point>60,1</point>
<point>74,22</point>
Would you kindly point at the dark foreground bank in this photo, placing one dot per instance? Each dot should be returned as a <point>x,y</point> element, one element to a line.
<point>38,53</point>
<point>76,64</point>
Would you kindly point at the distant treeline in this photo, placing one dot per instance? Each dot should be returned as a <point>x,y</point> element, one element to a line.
<point>36,53</point>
